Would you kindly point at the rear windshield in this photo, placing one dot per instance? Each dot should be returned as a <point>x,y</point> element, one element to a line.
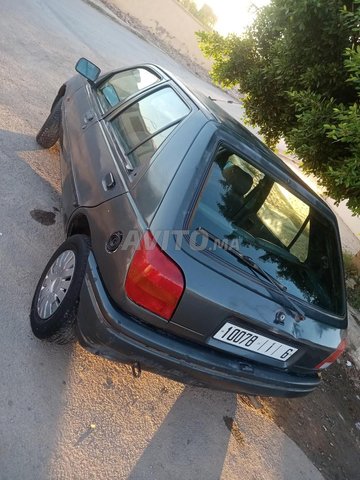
<point>282,233</point>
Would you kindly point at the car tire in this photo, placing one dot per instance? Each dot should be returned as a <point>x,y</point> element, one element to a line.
<point>56,298</point>
<point>49,133</point>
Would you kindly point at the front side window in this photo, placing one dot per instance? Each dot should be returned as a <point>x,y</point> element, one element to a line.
<point>266,221</point>
<point>143,126</point>
<point>123,84</point>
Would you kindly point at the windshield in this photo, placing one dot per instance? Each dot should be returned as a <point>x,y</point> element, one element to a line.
<point>283,234</point>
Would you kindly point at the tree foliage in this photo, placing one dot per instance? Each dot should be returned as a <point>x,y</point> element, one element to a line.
<point>298,66</point>
<point>190,6</point>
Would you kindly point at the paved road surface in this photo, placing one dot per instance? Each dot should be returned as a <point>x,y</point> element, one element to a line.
<point>65,414</point>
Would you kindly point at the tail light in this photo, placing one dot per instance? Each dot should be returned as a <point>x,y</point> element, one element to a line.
<point>334,356</point>
<point>153,280</point>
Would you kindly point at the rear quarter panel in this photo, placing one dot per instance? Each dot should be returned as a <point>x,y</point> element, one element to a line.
<point>150,187</point>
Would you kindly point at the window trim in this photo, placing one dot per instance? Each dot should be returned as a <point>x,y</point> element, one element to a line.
<point>297,236</point>
<point>169,125</point>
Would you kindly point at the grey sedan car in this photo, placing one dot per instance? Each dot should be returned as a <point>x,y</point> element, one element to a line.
<point>191,249</point>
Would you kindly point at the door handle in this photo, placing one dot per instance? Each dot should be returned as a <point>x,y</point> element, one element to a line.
<point>89,115</point>
<point>108,181</point>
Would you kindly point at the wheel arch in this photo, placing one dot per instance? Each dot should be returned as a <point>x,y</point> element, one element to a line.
<point>59,95</point>
<point>78,224</point>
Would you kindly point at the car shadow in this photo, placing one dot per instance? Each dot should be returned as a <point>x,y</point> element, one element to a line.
<point>15,141</point>
<point>193,439</point>
<point>20,146</point>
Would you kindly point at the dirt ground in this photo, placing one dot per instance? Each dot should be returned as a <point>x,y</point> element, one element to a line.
<point>323,424</point>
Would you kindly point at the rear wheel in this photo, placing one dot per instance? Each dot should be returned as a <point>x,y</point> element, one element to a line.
<point>50,132</point>
<point>56,298</point>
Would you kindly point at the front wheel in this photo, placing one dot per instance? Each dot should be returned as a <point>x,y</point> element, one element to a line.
<point>49,133</point>
<point>56,298</point>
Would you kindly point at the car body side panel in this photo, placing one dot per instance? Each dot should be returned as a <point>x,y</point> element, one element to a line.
<point>69,116</point>
<point>116,215</point>
<point>69,195</point>
<point>123,213</point>
<point>93,160</point>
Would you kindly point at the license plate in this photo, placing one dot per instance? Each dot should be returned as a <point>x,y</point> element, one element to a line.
<point>254,342</point>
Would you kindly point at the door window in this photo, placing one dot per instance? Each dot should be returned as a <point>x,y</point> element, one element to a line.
<point>143,126</point>
<point>120,86</point>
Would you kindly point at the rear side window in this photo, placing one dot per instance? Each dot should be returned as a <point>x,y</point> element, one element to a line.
<point>280,231</point>
<point>143,126</point>
<point>121,85</point>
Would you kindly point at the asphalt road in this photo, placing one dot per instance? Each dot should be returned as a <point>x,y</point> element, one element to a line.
<point>64,413</point>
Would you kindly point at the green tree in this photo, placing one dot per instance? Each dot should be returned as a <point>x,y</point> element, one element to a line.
<point>190,6</point>
<point>205,15</point>
<point>298,66</point>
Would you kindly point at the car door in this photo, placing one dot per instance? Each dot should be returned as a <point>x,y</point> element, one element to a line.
<point>93,168</point>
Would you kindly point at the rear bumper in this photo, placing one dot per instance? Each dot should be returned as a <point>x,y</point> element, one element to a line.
<point>107,331</point>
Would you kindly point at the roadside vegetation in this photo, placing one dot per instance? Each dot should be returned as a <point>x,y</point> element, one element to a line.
<point>352,276</point>
<point>297,68</point>
<point>205,14</point>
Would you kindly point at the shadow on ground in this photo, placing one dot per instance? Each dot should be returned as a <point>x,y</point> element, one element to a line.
<point>191,442</point>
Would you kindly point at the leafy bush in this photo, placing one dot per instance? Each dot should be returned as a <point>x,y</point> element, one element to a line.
<point>299,68</point>
<point>352,275</point>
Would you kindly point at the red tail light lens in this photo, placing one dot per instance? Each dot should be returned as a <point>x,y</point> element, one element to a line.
<point>334,356</point>
<point>154,281</point>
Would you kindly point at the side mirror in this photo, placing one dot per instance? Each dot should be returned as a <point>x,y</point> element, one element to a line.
<point>87,69</point>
